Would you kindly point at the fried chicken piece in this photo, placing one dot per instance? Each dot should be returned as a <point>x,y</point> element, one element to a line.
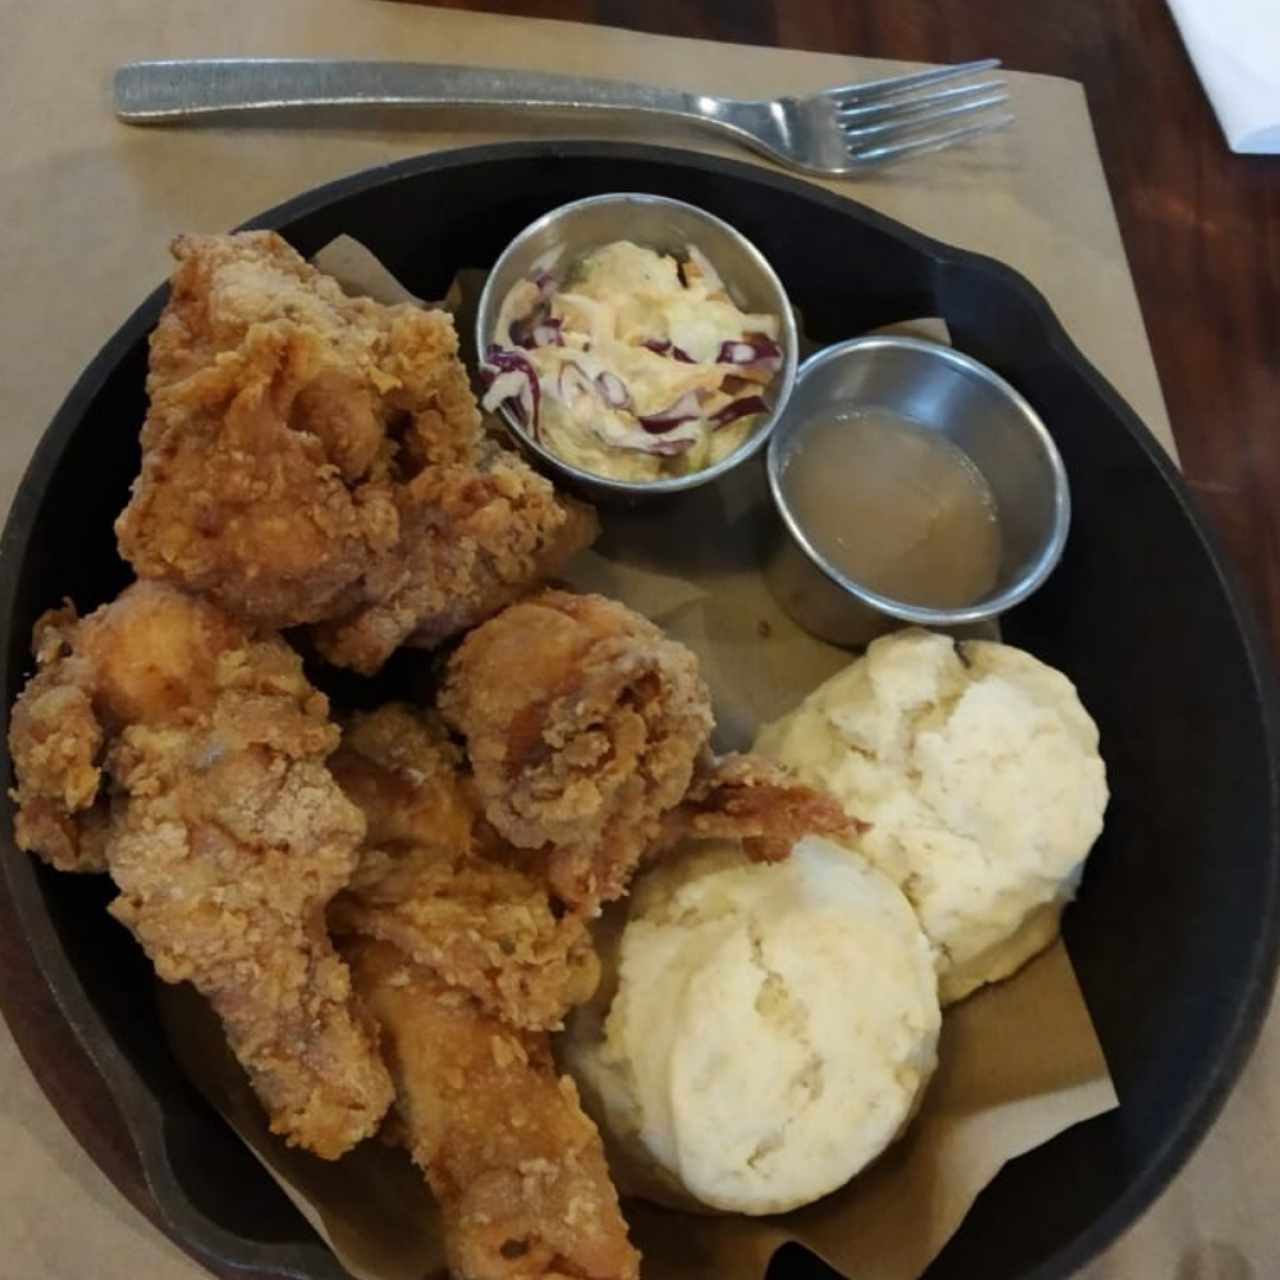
<point>517,1167</point>
<point>309,457</point>
<point>221,826</point>
<point>435,880</point>
<point>749,798</point>
<point>275,402</point>
<point>56,744</point>
<point>583,722</point>
<point>474,538</point>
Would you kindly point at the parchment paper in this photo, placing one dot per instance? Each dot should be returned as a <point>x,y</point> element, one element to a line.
<point>1019,1062</point>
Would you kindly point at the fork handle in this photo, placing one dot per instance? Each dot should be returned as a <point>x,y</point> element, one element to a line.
<point>160,92</point>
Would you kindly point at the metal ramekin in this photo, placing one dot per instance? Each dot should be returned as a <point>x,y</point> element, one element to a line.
<point>568,233</point>
<point>978,411</point>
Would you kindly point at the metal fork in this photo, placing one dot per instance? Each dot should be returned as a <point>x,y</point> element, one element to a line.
<point>837,131</point>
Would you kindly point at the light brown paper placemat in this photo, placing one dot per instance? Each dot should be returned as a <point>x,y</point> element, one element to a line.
<point>87,206</point>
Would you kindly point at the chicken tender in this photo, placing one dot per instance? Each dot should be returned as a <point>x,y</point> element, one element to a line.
<point>583,723</point>
<point>439,883</point>
<point>517,1167</point>
<point>309,457</point>
<point>164,742</point>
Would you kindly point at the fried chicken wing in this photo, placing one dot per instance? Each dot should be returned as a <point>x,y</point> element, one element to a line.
<point>749,798</point>
<point>583,722</point>
<point>164,742</point>
<point>435,880</point>
<point>517,1167</point>
<point>309,457</point>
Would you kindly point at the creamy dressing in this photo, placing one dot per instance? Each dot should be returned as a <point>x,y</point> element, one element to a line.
<point>644,366</point>
<point>896,507</point>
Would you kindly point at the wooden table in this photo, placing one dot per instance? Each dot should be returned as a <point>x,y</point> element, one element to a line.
<point>1201,225</point>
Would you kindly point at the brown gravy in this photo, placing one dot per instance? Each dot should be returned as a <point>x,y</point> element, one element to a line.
<point>896,507</point>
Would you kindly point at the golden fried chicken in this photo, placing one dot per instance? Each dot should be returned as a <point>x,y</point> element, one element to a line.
<point>749,798</point>
<point>435,880</point>
<point>309,457</point>
<point>56,743</point>
<point>162,741</point>
<point>517,1167</point>
<point>474,537</point>
<point>583,722</point>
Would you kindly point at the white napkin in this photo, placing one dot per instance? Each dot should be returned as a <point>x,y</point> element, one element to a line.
<point>1235,45</point>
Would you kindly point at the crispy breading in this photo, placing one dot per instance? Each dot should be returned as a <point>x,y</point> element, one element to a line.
<point>582,722</point>
<point>437,882</point>
<point>221,826</point>
<point>517,1167</point>
<point>749,798</point>
<point>56,743</point>
<point>309,457</point>
<point>474,538</point>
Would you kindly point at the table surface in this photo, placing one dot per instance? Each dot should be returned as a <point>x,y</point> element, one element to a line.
<point>1202,230</point>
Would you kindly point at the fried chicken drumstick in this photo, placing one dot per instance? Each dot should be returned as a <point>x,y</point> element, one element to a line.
<point>583,723</point>
<point>314,458</point>
<point>438,882</point>
<point>517,1167</point>
<point>163,741</point>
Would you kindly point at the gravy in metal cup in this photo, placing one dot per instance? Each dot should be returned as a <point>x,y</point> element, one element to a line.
<point>895,506</point>
<point>914,485</point>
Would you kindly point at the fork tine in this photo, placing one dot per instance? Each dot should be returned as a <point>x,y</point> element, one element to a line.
<point>907,118</point>
<point>891,86</point>
<point>931,142</point>
<point>874,110</point>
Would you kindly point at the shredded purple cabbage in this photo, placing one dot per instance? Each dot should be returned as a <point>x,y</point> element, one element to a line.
<point>661,347</point>
<point>613,389</point>
<point>505,360</point>
<point>686,409</point>
<point>747,351</point>
<point>736,409</point>
<point>671,448</point>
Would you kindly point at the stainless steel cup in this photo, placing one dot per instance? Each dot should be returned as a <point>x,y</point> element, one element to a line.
<point>568,233</point>
<point>977,411</point>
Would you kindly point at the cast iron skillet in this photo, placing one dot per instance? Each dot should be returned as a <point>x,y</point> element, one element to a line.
<point>1175,932</point>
